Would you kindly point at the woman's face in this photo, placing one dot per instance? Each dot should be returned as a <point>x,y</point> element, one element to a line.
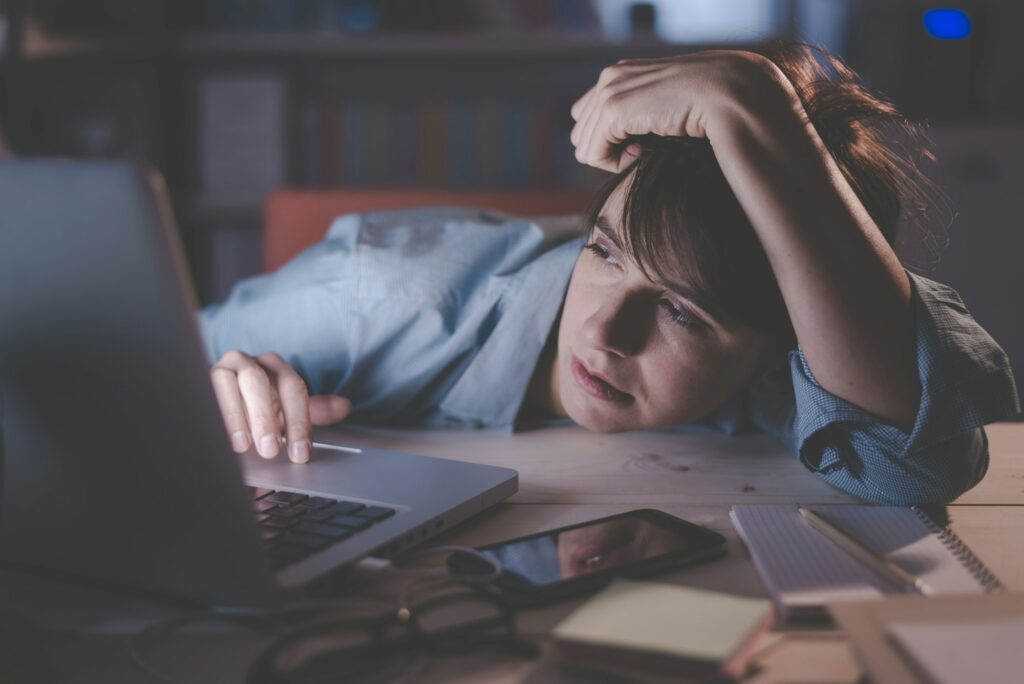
<point>668,359</point>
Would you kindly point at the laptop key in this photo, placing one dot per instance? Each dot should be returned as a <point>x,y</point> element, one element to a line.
<point>346,508</point>
<point>269,534</point>
<point>316,503</point>
<point>285,512</point>
<point>290,498</point>
<point>312,542</point>
<point>264,506</point>
<point>259,492</point>
<point>339,508</point>
<point>376,512</point>
<point>330,531</point>
<point>319,516</point>
<point>278,523</point>
<point>352,521</point>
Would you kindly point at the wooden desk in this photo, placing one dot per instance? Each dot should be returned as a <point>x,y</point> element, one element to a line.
<point>567,475</point>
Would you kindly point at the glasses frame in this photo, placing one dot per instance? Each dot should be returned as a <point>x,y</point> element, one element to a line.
<point>351,663</point>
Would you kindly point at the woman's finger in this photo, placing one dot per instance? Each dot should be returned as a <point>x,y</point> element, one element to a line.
<point>592,146</point>
<point>232,408</point>
<point>294,399</point>
<point>584,107</point>
<point>585,124</point>
<point>594,149</point>
<point>617,121</point>
<point>579,112</point>
<point>257,394</point>
<point>328,409</point>
<point>578,105</point>
<point>620,112</point>
<point>628,156</point>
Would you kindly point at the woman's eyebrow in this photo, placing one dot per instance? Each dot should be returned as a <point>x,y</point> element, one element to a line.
<point>605,227</point>
<point>703,302</point>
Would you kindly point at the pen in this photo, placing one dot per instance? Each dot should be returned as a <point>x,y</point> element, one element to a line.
<point>887,569</point>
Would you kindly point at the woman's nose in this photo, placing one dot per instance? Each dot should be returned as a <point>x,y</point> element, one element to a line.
<point>615,326</point>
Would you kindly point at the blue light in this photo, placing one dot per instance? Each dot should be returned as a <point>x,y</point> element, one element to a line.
<point>947,24</point>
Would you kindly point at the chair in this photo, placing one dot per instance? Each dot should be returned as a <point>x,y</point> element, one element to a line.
<point>295,219</point>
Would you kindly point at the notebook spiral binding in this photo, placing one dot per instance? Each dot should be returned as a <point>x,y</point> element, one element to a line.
<point>988,581</point>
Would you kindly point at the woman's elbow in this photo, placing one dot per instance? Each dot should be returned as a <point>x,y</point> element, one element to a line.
<point>934,476</point>
<point>963,462</point>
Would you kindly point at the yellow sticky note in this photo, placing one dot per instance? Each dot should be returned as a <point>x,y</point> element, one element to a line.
<point>665,618</point>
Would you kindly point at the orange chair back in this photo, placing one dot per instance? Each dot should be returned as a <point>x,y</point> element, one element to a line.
<point>295,219</point>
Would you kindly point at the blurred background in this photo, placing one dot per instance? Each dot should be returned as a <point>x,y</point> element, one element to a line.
<point>234,99</point>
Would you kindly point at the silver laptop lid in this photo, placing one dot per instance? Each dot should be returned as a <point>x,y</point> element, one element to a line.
<point>115,460</point>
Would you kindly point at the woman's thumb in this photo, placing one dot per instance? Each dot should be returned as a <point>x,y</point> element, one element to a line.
<point>628,156</point>
<point>324,410</point>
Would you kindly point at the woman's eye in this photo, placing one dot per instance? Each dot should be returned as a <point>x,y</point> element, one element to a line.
<point>679,316</point>
<point>600,251</point>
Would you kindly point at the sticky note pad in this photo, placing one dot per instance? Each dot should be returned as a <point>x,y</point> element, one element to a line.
<point>666,619</point>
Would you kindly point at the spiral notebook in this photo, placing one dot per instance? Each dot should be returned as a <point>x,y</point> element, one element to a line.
<point>802,569</point>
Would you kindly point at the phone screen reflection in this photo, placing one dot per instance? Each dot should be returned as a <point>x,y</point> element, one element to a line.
<point>589,549</point>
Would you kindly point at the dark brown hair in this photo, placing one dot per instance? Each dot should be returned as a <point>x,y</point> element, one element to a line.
<point>679,210</point>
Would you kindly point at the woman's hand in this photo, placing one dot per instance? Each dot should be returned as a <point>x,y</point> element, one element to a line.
<point>263,397</point>
<point>673,96</point>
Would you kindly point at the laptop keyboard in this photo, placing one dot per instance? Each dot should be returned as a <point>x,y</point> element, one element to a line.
<point>294,526</point>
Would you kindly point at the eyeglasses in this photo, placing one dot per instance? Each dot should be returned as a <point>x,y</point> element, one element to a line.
<point>310,645</point>
<point>458,621</point>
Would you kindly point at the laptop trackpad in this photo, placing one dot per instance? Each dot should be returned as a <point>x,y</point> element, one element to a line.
<point>363,474</point>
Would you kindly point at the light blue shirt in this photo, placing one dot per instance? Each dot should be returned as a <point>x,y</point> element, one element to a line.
<point>437,317</point>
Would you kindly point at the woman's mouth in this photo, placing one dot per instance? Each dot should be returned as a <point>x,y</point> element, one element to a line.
<point>595,386</point>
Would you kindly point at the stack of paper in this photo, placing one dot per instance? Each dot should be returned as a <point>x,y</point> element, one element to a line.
<point>657,632</point>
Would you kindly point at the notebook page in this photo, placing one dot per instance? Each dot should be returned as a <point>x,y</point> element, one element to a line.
<point>802,567</point>
<point>903,538</point>
<point>799,566</point>
<point>950,652</point>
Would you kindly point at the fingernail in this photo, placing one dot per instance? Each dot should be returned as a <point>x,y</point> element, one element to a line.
<point>268,446</point>
<point>300,451</point>
<point>239,441</point>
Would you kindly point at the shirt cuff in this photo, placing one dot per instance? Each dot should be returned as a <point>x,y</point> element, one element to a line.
<point>964,375</point>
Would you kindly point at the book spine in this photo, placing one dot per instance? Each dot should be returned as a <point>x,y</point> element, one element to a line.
<point>517,143</point>
<point>404,150</point>
<point>433,137</point>
<point>354,136</point>
<point>462,132</point>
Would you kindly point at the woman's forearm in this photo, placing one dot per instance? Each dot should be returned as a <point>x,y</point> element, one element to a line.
<point>845,290</point>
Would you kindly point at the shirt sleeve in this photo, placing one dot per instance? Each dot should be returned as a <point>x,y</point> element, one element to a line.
<point>966,382</point>
<point>339,323</point>
<point>389,309</point>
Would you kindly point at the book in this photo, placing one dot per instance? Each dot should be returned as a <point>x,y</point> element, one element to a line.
<point>655,632</point>
<point>241,137</point>
<point>936,640</point>
<point>803,570</point>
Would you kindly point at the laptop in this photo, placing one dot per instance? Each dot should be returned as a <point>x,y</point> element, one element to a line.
<point>115,461</point>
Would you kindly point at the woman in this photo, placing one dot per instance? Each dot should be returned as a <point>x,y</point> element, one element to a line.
<point>735,272</point>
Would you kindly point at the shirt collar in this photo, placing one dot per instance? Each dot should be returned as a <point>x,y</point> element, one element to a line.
<point>491,389</point>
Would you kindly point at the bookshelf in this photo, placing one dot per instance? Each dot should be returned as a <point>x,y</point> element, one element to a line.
<point>228,115</point>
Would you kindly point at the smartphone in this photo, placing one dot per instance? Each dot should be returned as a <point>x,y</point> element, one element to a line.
<point>576,559</point>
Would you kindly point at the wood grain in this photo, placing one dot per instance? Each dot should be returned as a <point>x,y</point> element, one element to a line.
<point>570,465</point>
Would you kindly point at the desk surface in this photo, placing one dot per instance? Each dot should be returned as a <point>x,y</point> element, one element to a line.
<point>567,475</point>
